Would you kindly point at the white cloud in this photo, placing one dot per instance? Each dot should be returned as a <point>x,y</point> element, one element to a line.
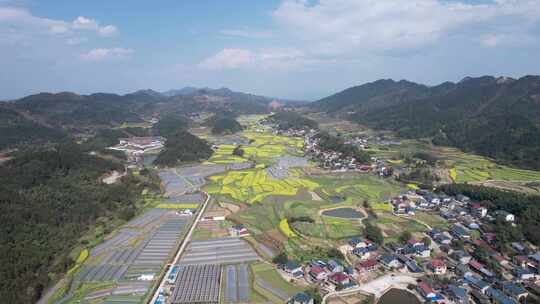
<point>83,23</point>
<point>245,33</point>
<point>108,30</point>
<point>19,22</point>
<point>229,59</point>
<point>100,54</point>
<point>245,59</point>
<point>347,26</point>
<point>508,39</point>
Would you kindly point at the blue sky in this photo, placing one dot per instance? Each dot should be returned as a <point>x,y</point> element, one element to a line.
<point>286,48</point>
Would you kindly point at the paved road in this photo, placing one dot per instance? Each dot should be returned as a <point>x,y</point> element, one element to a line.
<point>182,247</point>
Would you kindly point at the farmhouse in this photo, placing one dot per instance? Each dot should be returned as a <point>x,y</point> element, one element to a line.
<point>358,243</point>
<point>292,267</point>
<point>426,291</point>
<point>390,261</point>
<point>514,291</point>
<point>498,297</point>
<point>301,298</point>
<point>339,278</point>
<point>458,294</point>
<point>461,256</point>
<point>476,283</point>
<point>334,266</point>
<point>437,266</point>
<point>318,273</point>
<point>366,266</point>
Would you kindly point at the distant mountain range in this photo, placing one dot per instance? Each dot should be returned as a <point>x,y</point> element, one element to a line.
<point>495,117</point>
<point>48,116</point>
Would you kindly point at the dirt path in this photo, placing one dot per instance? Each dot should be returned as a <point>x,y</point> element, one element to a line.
<point>113,177</point>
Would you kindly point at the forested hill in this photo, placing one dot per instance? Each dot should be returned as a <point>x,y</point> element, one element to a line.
<point>223,124</point>
<point>49,198</point>
<point>495,117</point>
<point>51,117</point>
<point>183,147</point>
<point>292,120</point>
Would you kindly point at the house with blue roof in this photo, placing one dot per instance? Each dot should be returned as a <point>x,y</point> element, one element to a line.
<point>390,261</point>
<point>422,251</point>
<point>476,283</point>
<point>498,297</point>
<point>460,232</point>
<point>524,274</point>
<point>413,266</point>
<point>514,290</point>
<point>301,298</point>
<point>459,295</point>
<point>293,268</point>
<point>362,252</point>
<point>535,257</point>
<point>357,242</point>
<point>334,266</point>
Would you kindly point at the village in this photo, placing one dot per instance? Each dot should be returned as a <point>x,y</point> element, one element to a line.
<point>336,161</point>
<point>445,264</point>
<point>459,264</point>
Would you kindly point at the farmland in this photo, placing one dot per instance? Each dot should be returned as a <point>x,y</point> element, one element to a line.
<point>255,185</point>
<point>457,166</point>
<point>269,283</point>
<point>282,185</point>
<point>285,202</point>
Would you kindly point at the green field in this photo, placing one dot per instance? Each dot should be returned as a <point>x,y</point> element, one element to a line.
<point>267,273</point>
<point>461,166</point>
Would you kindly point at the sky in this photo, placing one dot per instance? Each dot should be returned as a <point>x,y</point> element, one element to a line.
<point>298,49</point>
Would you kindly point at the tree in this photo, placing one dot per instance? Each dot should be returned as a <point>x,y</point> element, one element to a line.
<point>373,233</point>
<point>314,293</point>
<point>335,253</point>
<point>426,241</point>
<point>238,151</point>
<point>365,204</point>
<point>280,259</point>
<point>183,147</point>
<point>405,236</point>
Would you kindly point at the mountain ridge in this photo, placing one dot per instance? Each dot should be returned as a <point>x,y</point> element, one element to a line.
<point>498,117</point>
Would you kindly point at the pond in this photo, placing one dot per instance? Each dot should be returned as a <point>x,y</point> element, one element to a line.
<point>348,213</point>
<point>398,296</point>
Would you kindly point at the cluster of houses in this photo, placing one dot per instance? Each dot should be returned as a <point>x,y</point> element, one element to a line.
<point>329,274</point>
<point>446,273</point>
<point>329,159</point>
<point>508,278</point>
<point>334,160</point>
